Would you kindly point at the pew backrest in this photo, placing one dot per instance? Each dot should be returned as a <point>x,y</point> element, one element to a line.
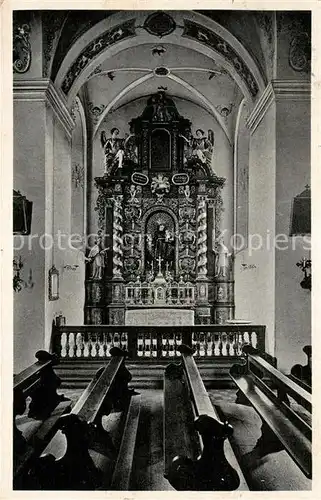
<point>280,380</point>
<point>203,406</point>
<point>28,378</point>
<point>92,399</point>
<point>267,390</point>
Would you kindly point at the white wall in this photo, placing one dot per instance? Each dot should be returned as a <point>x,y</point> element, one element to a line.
<point>292,303</point>
<point>29,178</point>
<point>255,287</point>
<point>42,172</point>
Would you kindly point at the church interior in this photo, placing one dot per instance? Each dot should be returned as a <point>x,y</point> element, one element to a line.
<point>162,262</point>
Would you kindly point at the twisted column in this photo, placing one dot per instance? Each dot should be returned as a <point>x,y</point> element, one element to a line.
<point>118,238</point>
<point>201,238</point>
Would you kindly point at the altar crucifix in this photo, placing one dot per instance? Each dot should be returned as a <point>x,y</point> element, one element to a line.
<point>160,260</point>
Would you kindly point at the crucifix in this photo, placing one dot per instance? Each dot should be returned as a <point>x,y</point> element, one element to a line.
<point>160,260</point>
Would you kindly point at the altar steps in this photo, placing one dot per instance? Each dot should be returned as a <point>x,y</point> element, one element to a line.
<point>146,373</point>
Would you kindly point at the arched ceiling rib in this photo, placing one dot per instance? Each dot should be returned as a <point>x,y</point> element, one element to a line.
<point>116,60</point>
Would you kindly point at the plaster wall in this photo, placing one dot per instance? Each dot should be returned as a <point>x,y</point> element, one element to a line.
<point>29,178</point>
<point>42,172</point>
<point>254,267</point>
<point>71,289</point>
<point>292,303</point>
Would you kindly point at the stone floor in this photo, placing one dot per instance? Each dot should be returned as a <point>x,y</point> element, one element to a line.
<point>272,471</point>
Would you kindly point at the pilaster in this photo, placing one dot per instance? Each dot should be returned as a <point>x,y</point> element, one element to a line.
<point>43,90</point>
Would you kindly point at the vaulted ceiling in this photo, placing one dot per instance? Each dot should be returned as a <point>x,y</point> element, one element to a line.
<point>211,58</point>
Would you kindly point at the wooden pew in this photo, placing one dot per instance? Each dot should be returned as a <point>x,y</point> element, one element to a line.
<point>66,462</point>
<point>301,374</point>
<point>196,451</point>
<point>40,383</point>
<point>256,380</point>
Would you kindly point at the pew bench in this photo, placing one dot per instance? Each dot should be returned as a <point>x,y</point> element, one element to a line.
<point>197,454</point>
<point>269,392</point>
<point>82,454</point>
<point>39,384</point>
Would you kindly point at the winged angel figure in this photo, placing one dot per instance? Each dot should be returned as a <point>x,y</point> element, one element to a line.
<point>200,147</point>
<point>117,149</point>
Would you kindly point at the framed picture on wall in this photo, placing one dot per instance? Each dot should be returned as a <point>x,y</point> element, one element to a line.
<point>22,214</point>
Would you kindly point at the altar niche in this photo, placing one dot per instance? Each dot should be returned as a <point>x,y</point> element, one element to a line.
<point>160,231</point>
<point>161,211</point>
<point>160,150</point>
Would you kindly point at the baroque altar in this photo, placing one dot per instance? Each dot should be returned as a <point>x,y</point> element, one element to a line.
<point>159,210</point>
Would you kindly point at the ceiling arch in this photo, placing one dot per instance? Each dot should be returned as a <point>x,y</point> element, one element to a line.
<point>125,30</point>
<point>196,97</point>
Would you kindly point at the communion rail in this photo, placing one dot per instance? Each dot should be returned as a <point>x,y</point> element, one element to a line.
<point>158,342</point>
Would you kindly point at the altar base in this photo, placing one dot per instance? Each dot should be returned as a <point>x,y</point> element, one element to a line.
<point>159,317</point>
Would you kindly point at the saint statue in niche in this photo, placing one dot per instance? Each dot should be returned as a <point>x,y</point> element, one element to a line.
<point>160,246</point>
<point>222,259</point>
<point>163,248</point>
<point>96,257</point>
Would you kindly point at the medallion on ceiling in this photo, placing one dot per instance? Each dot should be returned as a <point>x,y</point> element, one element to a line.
<point>159,24</point>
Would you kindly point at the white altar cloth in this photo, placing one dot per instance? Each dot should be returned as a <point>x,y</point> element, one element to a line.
<point>159,317</point>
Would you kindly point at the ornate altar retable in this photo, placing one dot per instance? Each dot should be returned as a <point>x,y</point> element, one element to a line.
<point>159,211</point>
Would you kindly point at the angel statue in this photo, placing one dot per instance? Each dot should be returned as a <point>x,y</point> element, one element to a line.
<point>113,149</point>
<point>200,147</point>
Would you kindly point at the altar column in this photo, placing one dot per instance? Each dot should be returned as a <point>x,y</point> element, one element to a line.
<point>202,310</point>
<point>117,306</point>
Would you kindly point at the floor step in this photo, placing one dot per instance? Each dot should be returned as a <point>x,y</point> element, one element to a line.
<point>145,373</point>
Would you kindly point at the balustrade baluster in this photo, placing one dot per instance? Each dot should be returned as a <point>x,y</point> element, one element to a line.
<point>63,340</point>
<point>78,344</point>
<point>229,340</point>
<point>171,345</point>
<point>154,344</point>
<point>140,345</point>
<point>246,337</point>
<point>178,342</point>
<point>253,339</point>
<point>234,343</point>
<point>224,344</point>
<point>147,345</point>
<point>201,344</point>
<point>124,340</point>
<point>85,344</point>
<point>212,344</point>
<point>89,344</point>
<point>93,344</point>
<point>71,344</point>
